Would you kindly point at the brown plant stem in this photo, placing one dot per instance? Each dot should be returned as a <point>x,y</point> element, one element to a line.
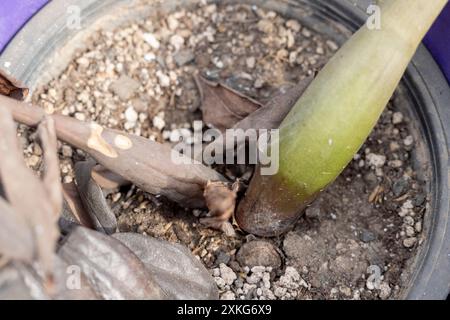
<point>146,163</point>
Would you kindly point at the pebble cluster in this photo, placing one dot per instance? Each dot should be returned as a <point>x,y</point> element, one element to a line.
<point>258,283</point>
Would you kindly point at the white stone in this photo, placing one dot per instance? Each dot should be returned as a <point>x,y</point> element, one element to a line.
<point>227,274</point>
<point>385,291</point>
<point>80,116</point>
<point>376,160</point>
<point>251,62</point>
<point>166,134</point>
<point>177,41</point>
<point>397,118</point>
<point>83,62</point>
<point>293,25</point>
<point>158,121</point>
<point>164,80</point>
<point>131,115</point>
<point>151,40</point>
<point>172,23</point>
<point>409,140</point>
<point>67,151</point>
<point>149,57</point>
<point>220,282</point>
<point>229,295</point>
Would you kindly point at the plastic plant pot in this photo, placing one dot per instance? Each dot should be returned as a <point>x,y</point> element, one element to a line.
<point>44,46</point>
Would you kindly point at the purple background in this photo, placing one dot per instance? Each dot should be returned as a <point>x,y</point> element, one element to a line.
<point>15,13</point>
<point>438,41</point>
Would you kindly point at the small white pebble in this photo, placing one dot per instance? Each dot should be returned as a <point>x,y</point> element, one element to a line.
<point>149,57</point>
<point>177,41</point>
<point>397,118</point>
<point>151,40</point>
<point>66,151</point>
<point>158,121</point>
<point>80,116</point>
<point>227,274</point>
<point>409,242</point>
<point>376,160</point>
<point>409,140</point>
<point>131,115</point>
<point>164,80</point>
<point>166,134</point>
<point>251,62</point>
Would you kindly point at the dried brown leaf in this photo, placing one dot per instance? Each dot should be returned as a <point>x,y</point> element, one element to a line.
<point>16,241</point>
<point>27,194</point>
<point>93,198</point>
<point>75,205</point>
<point>221,202</point>
<point>267,117</point>
<point>51,176</point>
<point>11,87</point>
<point>107,179</point>
<point>112,269</point>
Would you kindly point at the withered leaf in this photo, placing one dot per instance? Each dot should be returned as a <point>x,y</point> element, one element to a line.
<point>107,179</point>
<point>11,87</point>
<point>223,107</point>
<point>51,178</point>
<point>19,281</point>
<point>73,210</point>
<point>267,117</point>
<point>153,167</point>
<point>173,266</point>
<point>28,196</point>
<point>16,240</point>
<point>68,287</point>
<point>113,271</point>
<point>276,109</point>
<point>93,199</point>
<point>221,202</point>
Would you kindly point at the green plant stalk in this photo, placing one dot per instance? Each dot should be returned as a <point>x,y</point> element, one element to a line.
<point>335,115</point>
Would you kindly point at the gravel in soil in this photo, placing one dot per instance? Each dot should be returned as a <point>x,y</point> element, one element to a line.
<point>354,242</point>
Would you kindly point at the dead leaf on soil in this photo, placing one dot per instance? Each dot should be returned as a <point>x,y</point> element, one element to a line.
<point>267,117</point>
<point>93,199</point>
<point>177,271</point>
<point>223,107</point>
<point>113,271</point>
<point>34,202</point>
<point>11,87</point>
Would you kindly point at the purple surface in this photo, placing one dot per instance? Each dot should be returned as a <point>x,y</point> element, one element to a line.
<point>13,15</point>
<point>438,41</point>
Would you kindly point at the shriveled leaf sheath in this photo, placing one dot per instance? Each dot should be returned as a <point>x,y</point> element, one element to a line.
<point>16,241</point>
<point>267,117</point>
<point>27,194</point>
<point>223,107</point>
<point>93,198</point>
